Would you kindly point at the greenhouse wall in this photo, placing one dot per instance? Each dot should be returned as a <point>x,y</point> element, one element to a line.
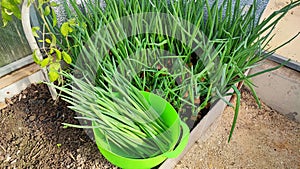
<point>13,47</point>
<point>17,69</point>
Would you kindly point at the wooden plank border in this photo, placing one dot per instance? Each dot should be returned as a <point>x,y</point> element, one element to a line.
<point>15,65</point>
<point>18,75</point>
<point>14,83</point>
<point>199,131</point>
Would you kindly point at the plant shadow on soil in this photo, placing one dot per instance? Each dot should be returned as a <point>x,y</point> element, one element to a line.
<point>32,134</point>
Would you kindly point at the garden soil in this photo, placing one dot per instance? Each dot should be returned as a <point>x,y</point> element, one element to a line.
<point>32,136</point>
<point>262,139</point>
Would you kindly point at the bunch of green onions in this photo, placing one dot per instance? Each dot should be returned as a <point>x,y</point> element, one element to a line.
<point>121,113</point>
<point>237,37</point>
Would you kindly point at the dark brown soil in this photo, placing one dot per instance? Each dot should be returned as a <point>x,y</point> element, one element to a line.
<point>32,135</point>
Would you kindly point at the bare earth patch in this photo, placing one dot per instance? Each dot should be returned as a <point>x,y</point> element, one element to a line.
<point>32,136</point>
<point>262,139</point>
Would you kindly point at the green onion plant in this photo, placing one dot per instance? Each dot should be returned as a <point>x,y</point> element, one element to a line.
<point>230,43</point>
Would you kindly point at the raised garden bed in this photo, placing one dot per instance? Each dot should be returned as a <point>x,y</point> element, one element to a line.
<point>31,135</point>
<point>108,100</point>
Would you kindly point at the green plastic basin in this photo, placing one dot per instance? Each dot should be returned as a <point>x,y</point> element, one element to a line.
<point>170,118</point>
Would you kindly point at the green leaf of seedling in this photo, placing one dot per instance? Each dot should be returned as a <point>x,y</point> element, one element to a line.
<point>48,41</point>
<point>67,58</point>
<point>10,7</point>
<point>40,4</point>
<point>54,4</point>
<point>53,71</point>
<point>64,29</point>
<point>236,110</point>
<point>53,76</point>
<point>70,30</point>
<point>54,19</point>
<point>58,145</point>
<point>54,67</point>
<point>58,54</point>
<point>5,22</point>
<point>51,51</point>
<point>53,41</point>
<point>35,57</point>
<point>72,22</point>
<point>45,62</point>
<point>17,1</point>
<point>47,11</point>
<point>65,126</point>
<point>5,16</point>
<point>5,19</point>
<point>34,31</point>
<point>8,12</point>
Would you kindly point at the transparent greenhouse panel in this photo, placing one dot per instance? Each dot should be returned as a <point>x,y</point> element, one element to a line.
<point>13,44</point>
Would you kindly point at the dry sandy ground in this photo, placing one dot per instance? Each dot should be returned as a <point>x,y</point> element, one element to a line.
<point>288,27</point>
<point>262,139</point>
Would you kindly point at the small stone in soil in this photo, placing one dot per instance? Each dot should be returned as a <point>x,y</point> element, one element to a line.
<point>42,118</point>
<point>20,97</point>
<point>8,101</point>
<point>32,118</point>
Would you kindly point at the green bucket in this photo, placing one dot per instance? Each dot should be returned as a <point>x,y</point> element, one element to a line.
<point>170,118</point>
